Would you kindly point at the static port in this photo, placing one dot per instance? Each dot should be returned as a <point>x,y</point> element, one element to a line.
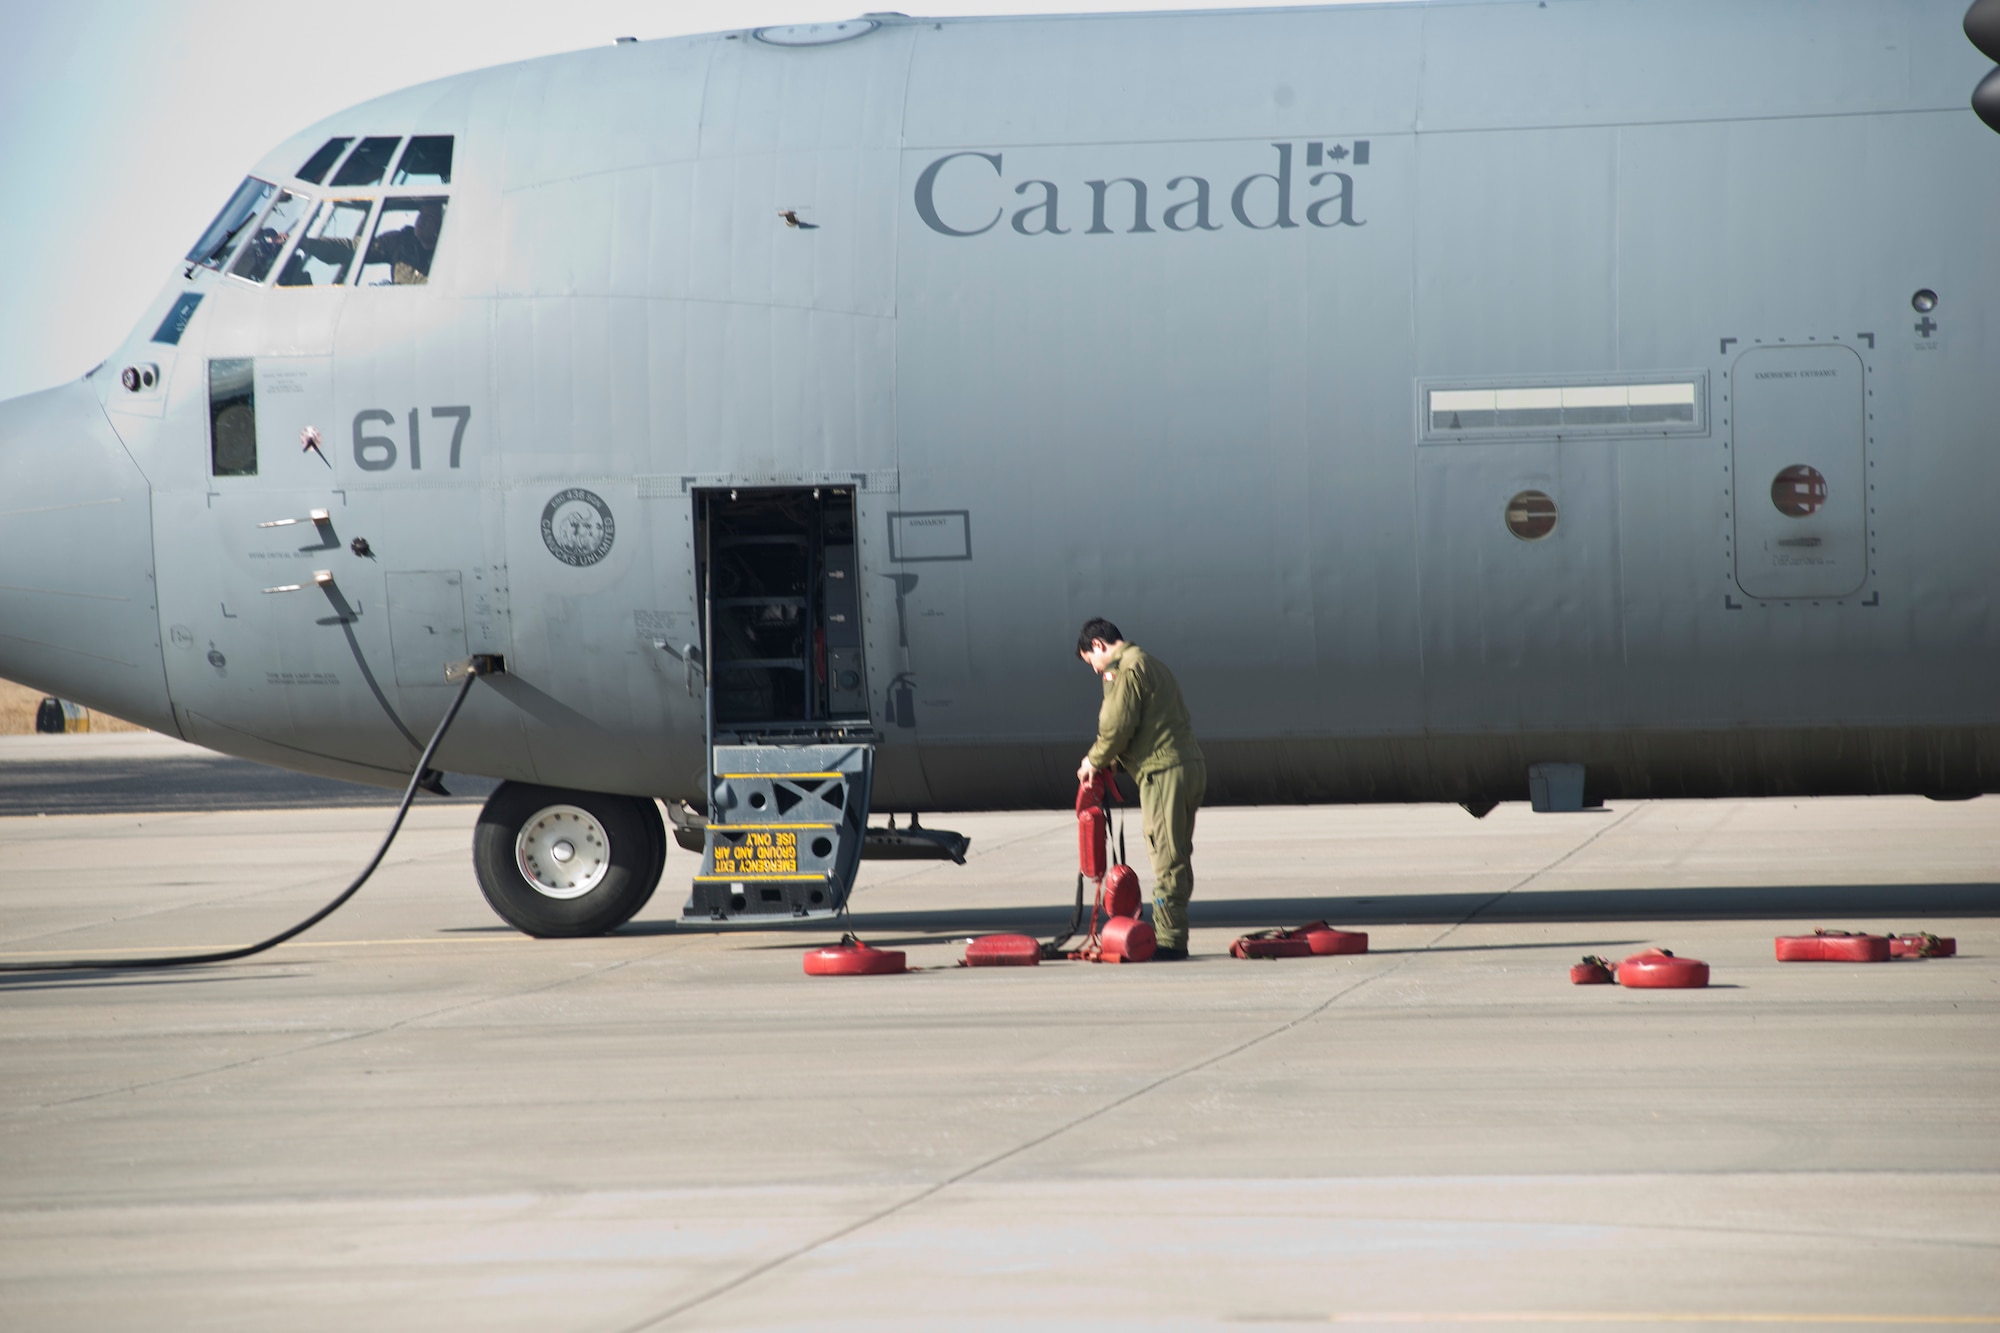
<point>129,377</point>
<point>1924,301</point>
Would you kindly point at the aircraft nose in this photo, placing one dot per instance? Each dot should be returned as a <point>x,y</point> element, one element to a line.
<point>78,615</point>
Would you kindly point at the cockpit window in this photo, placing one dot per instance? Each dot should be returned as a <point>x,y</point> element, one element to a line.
<point>232,417</point>
<point>366,164</point>
<point>427,161</point>
<point>256,257</point>
<point>327,249</point>
<point>215,245</point>
<point>406,237</point>
<point>322,162</point>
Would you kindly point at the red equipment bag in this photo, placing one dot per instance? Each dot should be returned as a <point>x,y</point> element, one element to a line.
<point>1592,971</point>
<point>1003,951</point>
<point>1093,823</point>
<point>1658,969</point>
<point>1272,944</point>
<point>1121,891</point>
<point>1833,946</point>
<point>852,958</point>
<point>1327,939</point>
<point>1922,944</point>
<point>1091,826</point>
<point>1127,939</point>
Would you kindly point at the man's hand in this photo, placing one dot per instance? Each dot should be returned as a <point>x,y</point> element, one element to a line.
<point>1086,770</point>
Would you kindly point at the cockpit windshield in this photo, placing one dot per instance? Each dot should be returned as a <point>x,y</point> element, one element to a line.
<point>321,162</point>
<point>368,162</point>
<point>427,161</point>
<point>216,244</point>
<point>328,242</point>
<point>255,258</point>
<point>326,251</point>
<point>406,237</point>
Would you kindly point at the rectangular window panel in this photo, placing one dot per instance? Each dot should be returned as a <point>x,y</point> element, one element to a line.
<point>1648,407</point>
<point>367,164</point>
<point>326,250</point>
<point>406,237</point>
<point>216,244</point>
<point>232,416</point>
<point>272,235</point>
<point>175,324</point>
<point>427,161</point>
<point>322,162</point>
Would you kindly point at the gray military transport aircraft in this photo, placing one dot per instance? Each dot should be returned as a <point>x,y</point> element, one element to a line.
<point>1472,401</point>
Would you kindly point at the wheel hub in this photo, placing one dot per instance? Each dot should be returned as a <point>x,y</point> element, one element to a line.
<point>563,852</point>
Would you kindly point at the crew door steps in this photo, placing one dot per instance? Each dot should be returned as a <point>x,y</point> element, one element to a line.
<point>786,832</point>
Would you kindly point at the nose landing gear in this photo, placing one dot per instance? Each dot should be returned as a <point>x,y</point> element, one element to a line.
<point>557,863</point>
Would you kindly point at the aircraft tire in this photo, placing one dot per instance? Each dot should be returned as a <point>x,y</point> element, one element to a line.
<point>556,863</point>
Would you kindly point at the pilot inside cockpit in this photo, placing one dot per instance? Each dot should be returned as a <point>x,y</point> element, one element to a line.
<point>324,253</point>
<point>406,238</point>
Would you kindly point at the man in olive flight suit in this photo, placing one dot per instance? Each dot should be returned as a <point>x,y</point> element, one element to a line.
<point>1145,729</point>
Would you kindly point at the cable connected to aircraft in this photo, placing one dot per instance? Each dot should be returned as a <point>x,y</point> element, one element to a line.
<point>1474,401</point>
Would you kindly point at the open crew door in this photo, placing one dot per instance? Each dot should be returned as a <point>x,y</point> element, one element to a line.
<point>790,745</point>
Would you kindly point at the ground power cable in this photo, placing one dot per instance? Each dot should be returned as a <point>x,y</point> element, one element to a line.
<point>472,672</point>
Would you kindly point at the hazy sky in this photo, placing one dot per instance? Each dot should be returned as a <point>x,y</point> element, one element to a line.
<point>124,124</point>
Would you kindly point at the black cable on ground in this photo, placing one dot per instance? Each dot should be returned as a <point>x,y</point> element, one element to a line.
<point>225,955</point>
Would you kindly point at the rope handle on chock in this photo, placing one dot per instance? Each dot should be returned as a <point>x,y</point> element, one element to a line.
<point>1107,793</point>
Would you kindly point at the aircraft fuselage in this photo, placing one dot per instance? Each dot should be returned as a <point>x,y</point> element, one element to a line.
<point>1439,389</point>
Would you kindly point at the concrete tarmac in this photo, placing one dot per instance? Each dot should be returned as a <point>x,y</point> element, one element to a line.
<point>103,772</point>
<point>414,1118</point>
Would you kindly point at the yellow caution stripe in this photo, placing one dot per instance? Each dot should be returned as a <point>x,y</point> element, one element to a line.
<point>789,777</point>
<point>759,879</point>
<point>753,828</point>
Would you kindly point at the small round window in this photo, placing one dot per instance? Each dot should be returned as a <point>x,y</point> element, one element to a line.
<point>1799,491</point>
<point>1531,515</point>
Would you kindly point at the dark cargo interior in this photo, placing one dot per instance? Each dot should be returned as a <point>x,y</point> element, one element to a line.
<point>778,568</point>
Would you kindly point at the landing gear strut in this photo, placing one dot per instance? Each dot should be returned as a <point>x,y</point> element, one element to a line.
<point>558,863</point>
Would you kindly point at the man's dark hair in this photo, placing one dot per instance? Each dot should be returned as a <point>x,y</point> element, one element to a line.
<point>1097,627</point>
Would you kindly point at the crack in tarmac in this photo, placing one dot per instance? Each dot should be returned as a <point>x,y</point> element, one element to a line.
<point>307,1047</point>
<point>931,1191</point>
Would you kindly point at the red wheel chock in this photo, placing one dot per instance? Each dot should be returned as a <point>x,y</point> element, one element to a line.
<point>1833,946</point>
<point>1270,946</point>
<point>1003,951</point>
<point>1922,944</point>
<point>1126,939</point>
<point>1315,937</point>
<point>1658,969</point>
<point>1592,971</point>
<point>852,958</point>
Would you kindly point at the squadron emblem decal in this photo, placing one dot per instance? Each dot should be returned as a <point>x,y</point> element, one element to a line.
<point>577,527</point>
